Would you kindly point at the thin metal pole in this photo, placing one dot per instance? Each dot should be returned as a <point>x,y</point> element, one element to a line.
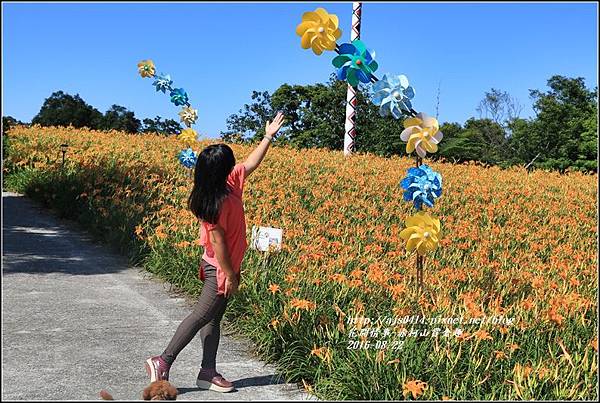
<point>420,258</point>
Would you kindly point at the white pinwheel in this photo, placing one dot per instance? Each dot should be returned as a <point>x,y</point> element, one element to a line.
<point>422,134</point>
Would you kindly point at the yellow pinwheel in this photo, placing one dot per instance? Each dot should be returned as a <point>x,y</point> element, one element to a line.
<point>146,68</point>
<point>319,30</point>
<point>188,115</point>
<point>422,134</point>
<point>422,233</point>
<point>188,135</point>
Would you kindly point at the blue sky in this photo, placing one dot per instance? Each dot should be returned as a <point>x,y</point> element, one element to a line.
<point>220,52</point>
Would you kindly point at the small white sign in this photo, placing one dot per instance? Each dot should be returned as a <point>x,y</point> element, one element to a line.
<point>266,238</point>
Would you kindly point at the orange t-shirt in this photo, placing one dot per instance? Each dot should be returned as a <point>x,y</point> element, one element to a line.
<point>232,220</point>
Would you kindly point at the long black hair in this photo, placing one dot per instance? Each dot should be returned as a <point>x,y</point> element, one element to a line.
<point>213,166</point>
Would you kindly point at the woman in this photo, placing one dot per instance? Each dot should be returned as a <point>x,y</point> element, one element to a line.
<point>216,200</point>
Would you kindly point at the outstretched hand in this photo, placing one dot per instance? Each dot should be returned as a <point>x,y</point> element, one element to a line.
<point>273,127</point>
<point>256,156</point>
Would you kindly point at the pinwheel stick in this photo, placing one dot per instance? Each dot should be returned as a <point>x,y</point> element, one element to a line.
<point>374,79</point>
<point>420,261</point>
<point>420,258</point>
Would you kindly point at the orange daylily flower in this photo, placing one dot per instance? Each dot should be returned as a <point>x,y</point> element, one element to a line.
<point>303,304</point>
<point>274,288</point>
<point>416,388</point>
<point>341,218</point>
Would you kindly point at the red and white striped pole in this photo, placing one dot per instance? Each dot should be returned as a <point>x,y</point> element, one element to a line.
<point>350,126</point>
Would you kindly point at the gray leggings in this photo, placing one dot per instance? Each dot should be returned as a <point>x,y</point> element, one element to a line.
<point>205,317</point>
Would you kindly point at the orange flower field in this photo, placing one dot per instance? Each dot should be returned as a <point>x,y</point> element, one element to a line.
<point>519,248</point>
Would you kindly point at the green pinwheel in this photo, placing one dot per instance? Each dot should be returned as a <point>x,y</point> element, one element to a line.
<point>355,63</point>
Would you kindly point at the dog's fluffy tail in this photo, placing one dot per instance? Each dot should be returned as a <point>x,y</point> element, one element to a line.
<point>105,395</point>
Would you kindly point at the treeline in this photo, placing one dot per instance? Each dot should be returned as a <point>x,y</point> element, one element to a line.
<point>62,109</point>
<point>563,133</point>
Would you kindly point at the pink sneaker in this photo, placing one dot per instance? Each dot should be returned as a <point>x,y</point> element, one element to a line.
<point>157,369</point>
<point>210,379</point>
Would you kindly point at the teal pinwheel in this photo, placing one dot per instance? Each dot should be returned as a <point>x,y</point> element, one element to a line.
<point>393,94</point>
<point>179,97</point>
<point>188,157</point>
<point>163,83</point>
<point>355,63</point>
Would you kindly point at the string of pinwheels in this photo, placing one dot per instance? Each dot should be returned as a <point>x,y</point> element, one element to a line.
<point>179,97</point>
<point>356,64</point>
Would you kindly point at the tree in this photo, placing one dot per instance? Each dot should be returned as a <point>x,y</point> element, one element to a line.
<point>157,125</point>
<point>322,117</point>
<point>500,106</point>
<point>8,122</point>
<point>292,101</point>
<point>563,134</point>
<point>587,148</point>
<point>520,130</point>
<point>501,109</point>
<point>119,118</point>
<point>315,116</point>
<point>62,109</point>
<point>472,143</point>
<point>451,143</point>
<point>170,126</point>
<point>248,124</point>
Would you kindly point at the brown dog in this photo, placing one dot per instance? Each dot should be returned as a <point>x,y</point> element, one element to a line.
<point>159,390</point>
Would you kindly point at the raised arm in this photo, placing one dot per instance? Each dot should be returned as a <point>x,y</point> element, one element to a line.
<point>256,156</point>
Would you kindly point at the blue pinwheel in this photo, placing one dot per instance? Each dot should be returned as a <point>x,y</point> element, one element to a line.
<point>393,94</point>
<point>188,158</point>
<point>422,185</point>
<point>163,83</point>
<point>355,63</point>
<point>179,97</point>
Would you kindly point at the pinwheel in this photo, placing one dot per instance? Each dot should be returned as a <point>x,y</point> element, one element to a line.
<point>146,68</point>
<point>188,158</point>
<point>179,97</point>
<point>319,30</point>
<point>188,135</point>
<point>422,185</point>
<point>393,94</point>
<point>163,83</point>
<point>422,233</point>
<point>355,63</point>
<point>188,116</point>
<point>421,134</point>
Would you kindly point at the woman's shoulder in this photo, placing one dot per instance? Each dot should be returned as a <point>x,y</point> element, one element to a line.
<point>236,178</point>
<point>237,172</point>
